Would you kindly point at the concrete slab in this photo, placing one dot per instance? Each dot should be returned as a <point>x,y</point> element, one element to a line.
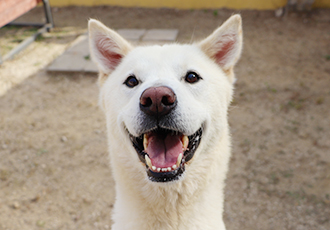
<point>91,67</point>
<point>81,48</point>
<point>161,35</point>
<point>77,58</point>
<point>151,43</point>
<point>68,63</point>
<point>132,34</point>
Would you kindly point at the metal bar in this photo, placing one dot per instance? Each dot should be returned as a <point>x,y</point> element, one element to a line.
<point>23,24</point>
<point>26,42</point>
<point>48,14</point>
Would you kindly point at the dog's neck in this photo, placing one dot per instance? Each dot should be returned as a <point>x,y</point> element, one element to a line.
<point>173,205</point>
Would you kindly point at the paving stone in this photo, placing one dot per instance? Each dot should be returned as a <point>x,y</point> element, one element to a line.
<point>132,34</point>
<point>81,48</point>
<point>135,42</point>
<point>77,58</point>
<point>152,43</point>
<point>68,63</point>
<point>74,59</point>
<point>91,67</point>
<point>161,35</point>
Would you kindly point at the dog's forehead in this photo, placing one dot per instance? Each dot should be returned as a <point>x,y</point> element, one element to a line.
<point>162,58</point>
<point>164,52</point>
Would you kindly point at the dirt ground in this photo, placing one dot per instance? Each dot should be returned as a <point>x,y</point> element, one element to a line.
<point>54,171</point>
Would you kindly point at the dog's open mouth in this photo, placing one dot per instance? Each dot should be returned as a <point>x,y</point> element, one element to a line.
<point>165,152</point>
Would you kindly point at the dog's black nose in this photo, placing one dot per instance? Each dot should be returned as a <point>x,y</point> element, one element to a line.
<point>157,101</point>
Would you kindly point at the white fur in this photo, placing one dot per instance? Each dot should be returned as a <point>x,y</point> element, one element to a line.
<point>195,201</point>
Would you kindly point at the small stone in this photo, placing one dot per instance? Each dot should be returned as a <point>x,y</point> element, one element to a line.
<point>16,205</point>
<point>279,12</point>
<point>75,218</point>
<point>64,139</point>
<point>98,131</point>
<point>35,199</point>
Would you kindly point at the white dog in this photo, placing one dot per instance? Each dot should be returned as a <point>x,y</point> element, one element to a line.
<point>166,112</point>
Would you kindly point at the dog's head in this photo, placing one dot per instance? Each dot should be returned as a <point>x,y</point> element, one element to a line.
<point>165,99</point>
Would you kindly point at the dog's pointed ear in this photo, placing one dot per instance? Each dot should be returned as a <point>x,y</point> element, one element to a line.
<point>224,45</point>
<point>106,46</point>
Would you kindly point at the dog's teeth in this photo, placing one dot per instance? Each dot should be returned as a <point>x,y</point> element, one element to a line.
<point>145,141</point>
<point>178,161</point>
<point>185,142</point>
<point>174,167</point>
<point>158,169</point>
<point>164,169</point>
<point>148,161</point>
<point>153,168</point>
<point>169,169</point>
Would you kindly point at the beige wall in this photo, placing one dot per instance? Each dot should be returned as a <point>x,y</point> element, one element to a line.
<point>188,4</point>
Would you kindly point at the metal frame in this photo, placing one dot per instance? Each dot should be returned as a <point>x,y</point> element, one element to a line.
<point>44,28</point>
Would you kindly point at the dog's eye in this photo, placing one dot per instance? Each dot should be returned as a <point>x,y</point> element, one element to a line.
<point>192,77</point>
<point>131,81</point>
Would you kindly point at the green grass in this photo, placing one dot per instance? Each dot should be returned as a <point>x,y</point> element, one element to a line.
<point>41,151</point>
<point>40,38</point>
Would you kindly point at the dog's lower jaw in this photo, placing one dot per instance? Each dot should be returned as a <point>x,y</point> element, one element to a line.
<point>185,204</point>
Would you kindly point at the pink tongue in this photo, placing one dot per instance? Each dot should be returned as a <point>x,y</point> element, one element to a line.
<point>164,152</point>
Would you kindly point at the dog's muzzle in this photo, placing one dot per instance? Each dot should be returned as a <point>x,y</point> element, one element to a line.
<point>163,150</point>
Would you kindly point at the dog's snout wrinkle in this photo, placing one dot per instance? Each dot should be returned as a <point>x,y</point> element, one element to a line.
<point>157,101</point>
